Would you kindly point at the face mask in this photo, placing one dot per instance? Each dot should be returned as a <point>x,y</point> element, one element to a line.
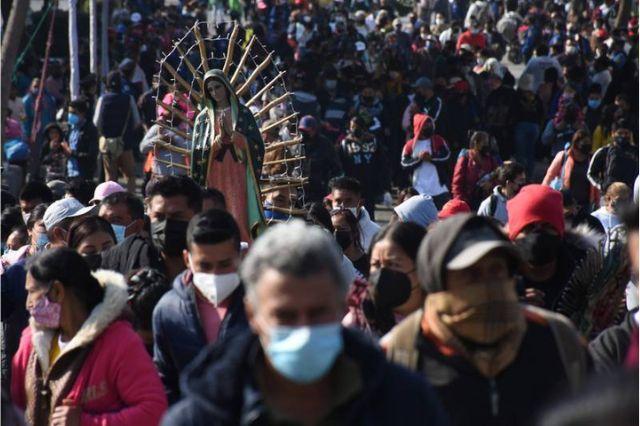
<point>571,50</point>
<point>46,313</point>
<point>25,217</point>
<point>485,150</point>
<point>41,242</point>
<point>390,288</point>
<point>94,260</point>
<point>343,238</point>
<point>330,84</point>
<point>539,248</point>
<point>8,252</point>
<point>170,236</point>
<point>475,30</point>
<point>439,21</point>
<point>73,119</point>
<point>427,132</point>
<point>594,103</point>
<point>216,287</point>
<point>120,231</point>
<point>621,141</point>
<point>367,100</point>
<point>304,354</point>
<point>357,132</point>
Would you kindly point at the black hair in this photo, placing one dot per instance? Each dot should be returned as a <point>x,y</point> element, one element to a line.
<point>567,198</point>
<point>407,235</point>
<point>630,217</point>
<point>173,186</point>
<point>81,105</point>
<point>85,226</point>
<point>114,81</point>
<point>36,190</point>
<point>509,171</point>
<point>7,199</point>
<point>215,195</point>
<point>70,268</point>
<point>352,221</point>
<point>133,203</point>
<point>11,217</point>
<point>319,215</point>
<point>212,227</point>
<point>22,230</point>
<point>551,75</point>
<point>542,50</point>
<point>81,189</point>
<point>37,214</point>
<point>595,88</point>
<point>346,183</point>
<point>146,287</point>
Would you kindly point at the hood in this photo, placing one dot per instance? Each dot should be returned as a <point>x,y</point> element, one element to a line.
<point>497,193</point>
<point>220,380</point>
<point>111,307</point>
<point>436,245</point>
<point>418,209</point>
<point>584,237</point>
<point>419,121</point>
<point>535,204</point>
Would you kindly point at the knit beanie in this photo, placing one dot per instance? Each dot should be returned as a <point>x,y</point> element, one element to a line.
<point>535,204</point>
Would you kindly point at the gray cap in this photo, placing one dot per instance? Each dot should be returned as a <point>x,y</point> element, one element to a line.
<point>58,188</point>
<point>63,209</point>
<point>473,244</point>
<point>424,83</point>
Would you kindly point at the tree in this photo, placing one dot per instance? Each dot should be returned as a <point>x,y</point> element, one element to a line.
<point>10,44</point>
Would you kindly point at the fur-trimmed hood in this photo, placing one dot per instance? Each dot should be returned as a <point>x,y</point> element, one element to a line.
<point>583,237</point>
<point>111,307</point>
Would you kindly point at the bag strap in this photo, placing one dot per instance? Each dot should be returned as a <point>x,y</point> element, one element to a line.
<point>564,160</point>
<point>493,204</point>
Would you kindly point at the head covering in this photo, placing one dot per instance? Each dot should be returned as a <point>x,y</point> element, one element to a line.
<point>105,189</point>
<point>419,121</point>
<point>493,67</point>
<point>535,204</point>
<point>453,207</point>
<point>423,83</point>
<point>63,209</point>
<point>136,17</point>
<point>418,209</point>
<point>308,122</point>
<point>447,241</point>
<point>58,188</point>
<point>127,64</point>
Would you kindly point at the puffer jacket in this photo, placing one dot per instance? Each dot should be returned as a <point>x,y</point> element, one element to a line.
<point>105,368</point>
<point>178,334</point>
<point>470,168</point>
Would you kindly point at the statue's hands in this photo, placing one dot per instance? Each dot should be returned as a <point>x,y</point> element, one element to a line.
<point>217,143</point>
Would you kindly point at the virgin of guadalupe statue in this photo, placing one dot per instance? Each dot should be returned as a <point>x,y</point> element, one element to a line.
<point>228,150</point>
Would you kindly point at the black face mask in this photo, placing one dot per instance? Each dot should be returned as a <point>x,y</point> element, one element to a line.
<point>427,132</point>
<point>367,100</point>
<point>621,141</point>
<point>419,99</point>
<point>357,133</point>
<point>485,150</point>
<point>170,236</point>
<point>343,238</point>
<point>539,248</point>
<point>390,288</point>
<point>94,260</point>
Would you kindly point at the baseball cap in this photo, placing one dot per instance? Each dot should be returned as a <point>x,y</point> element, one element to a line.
<point>105,189</point>
<point>423,82</point>
<point>136,17</point>
<point>492,66</point>
<point>475,242</point>
<point>58,188</point>
<point>63,209</point>
<point>308,122</point>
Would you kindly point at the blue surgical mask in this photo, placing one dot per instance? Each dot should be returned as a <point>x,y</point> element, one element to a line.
<point>304,354</point>
<point>594,103</point>
<point>120,231</point>
<point>73,119</point>
<point>41,242</point>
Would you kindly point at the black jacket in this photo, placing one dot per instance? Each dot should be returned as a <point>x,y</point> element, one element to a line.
<point>220,388</point>
<point>610,348</point>
<point>132,253</point>
<point>613,163</point>
<point>178,334</point>
<point>322,164</point>
<point>86,151</point>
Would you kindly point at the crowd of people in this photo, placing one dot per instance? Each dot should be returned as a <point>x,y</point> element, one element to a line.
<point>464,249</point>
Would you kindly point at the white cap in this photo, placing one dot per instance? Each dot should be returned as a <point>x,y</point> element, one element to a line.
<point>63,209</point>
<point>136,17</point>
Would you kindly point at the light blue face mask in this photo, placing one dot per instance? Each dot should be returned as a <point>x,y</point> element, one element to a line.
<point>304,354</point>
<point>41,242</point>
<point>594,103</point>
<point>120,231</point>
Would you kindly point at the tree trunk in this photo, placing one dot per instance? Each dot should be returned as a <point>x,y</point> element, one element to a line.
<point>93,37</point>
<point>74,80</point>
<point>624,12</point>
<point>104,42</point>
<point>10,43</point>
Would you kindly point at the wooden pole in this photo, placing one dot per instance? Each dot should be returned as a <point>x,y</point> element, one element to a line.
<point>230,49</point>
<point>277,123</point>
<point>284,160</point>
<point>265,88</point>
<point>178,132</point>
<point>276,101</point>
<point>201,47</point>
<point>254,75</point>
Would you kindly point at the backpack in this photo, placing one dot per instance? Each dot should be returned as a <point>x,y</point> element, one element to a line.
<point>493,204</point>
<point>558,182</point>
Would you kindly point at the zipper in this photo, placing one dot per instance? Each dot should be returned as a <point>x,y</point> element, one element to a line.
<point>494,397</point>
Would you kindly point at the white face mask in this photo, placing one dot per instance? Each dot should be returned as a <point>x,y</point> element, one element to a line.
<point>216,288</point>
<point>25,217</point>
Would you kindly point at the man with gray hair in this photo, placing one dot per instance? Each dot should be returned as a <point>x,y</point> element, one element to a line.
<point>297,364</point>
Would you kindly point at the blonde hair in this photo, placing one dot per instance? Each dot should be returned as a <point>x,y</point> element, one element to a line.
<point>618,189</point>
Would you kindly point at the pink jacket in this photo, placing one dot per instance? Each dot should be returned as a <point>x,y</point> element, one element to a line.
<point>117,383</point>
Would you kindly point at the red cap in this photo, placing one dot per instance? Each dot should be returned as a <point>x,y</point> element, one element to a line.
<point>535,204</point>
<point>453,207</point>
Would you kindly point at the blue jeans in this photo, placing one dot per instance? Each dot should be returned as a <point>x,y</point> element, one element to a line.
<point>525,137</point>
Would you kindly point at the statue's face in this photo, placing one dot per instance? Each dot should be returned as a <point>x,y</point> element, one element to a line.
<point>217,90</point>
